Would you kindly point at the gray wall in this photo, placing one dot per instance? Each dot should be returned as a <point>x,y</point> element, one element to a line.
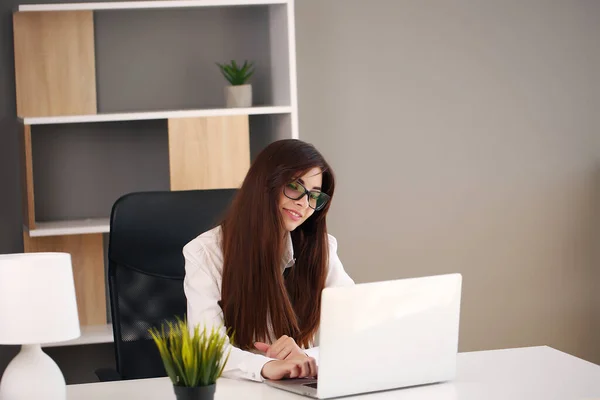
<point>465,138</point>
<point>80,170</point>
<point>10,200</point>
<point>165,59</point>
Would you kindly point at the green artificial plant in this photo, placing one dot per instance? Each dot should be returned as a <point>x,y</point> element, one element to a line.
<point>237,74</point>
<point>191,359</point>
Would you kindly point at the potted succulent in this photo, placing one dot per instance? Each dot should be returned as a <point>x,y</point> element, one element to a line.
<point>239,93</point>
<point>193,360</point>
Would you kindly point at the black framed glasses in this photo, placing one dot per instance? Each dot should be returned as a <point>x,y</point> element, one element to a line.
<point>316,199</point>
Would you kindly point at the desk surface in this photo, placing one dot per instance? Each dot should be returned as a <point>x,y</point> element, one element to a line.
<point>527,373</point>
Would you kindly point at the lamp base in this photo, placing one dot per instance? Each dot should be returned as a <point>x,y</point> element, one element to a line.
<point>32,374</point>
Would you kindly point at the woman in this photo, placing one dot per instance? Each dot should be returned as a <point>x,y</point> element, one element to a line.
<point>261,272</point>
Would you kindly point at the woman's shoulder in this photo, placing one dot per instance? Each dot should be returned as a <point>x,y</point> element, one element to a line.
<point>336,275</point>
<point>206,243</point>
<point>333,244</point>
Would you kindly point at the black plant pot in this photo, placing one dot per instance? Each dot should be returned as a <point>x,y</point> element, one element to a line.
<point>195,393</point>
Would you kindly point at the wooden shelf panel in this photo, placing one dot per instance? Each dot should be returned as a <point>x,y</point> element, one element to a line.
<point>87,255</point>
<point>208,153</point>
<point>89,335</point>
<point>125,5</point>
<point>55,71</point>
<point>150,115</point>
<point>73,227</point>
<point>27,178</point>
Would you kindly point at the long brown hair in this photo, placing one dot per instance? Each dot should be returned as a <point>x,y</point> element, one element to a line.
<point>254,293</point>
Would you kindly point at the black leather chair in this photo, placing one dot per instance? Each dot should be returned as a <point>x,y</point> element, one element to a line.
<point>146,269</point>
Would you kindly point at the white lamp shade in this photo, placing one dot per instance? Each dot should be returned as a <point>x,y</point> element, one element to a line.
<point>37,299</point>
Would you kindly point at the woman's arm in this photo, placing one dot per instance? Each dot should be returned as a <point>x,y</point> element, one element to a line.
<point>202,285</point>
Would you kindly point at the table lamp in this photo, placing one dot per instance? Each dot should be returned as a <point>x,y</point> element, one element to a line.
<point>37,306</point>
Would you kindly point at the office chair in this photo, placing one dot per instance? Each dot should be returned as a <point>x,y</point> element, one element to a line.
<point>146,269</point>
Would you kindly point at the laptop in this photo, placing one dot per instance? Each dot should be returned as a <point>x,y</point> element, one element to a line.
<point>385,335</point>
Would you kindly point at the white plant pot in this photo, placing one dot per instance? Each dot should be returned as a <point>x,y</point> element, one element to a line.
<point>238,96</point>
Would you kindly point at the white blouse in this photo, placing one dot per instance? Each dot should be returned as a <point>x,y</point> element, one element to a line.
<point>202,286</point>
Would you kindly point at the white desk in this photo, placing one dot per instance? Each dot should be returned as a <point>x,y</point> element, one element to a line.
<point>528,373</point>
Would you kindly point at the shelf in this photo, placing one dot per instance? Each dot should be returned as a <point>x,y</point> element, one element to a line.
<point>74,227</point>
<point>89,335</point>
<point>149,115</point>
<point>124,5</point>
<point>90,119</point>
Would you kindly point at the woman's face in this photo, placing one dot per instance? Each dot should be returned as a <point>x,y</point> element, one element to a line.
<point>295,212</point>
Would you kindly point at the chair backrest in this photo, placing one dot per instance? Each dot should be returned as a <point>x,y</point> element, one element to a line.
<point>146,267</point>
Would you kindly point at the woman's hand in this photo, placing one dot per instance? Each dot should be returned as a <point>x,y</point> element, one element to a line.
<point>285,348</point>
<point>294,368</point>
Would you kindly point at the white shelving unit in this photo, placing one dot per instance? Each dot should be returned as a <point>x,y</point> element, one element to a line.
<point>132,5</point>
<point>152,115</point>
<point>74,227</point>
<point>275,116</point>
<point>283,93</point>
<point>91,334</point>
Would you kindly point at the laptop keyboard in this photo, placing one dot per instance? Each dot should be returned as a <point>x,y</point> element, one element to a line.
<point>312,385</point>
